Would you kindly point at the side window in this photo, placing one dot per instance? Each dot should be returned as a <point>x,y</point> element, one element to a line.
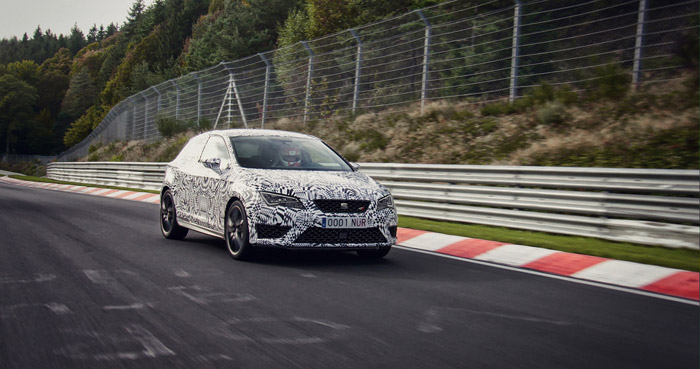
<point>191,152</point>
<point>216,149</point>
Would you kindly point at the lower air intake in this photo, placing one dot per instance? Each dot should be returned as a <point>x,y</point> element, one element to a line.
<point>317,235</point>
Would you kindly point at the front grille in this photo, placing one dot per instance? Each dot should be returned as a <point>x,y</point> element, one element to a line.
<point>336,206</point>
<point>341,235</point>
<point>271,231</point>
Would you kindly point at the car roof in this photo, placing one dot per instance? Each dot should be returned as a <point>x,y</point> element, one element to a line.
<point>238,132</point>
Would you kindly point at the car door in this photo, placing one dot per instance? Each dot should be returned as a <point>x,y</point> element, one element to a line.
<point>182,176</point>
<point>214,162</point>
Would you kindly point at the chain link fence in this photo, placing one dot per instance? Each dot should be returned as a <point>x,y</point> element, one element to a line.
<point>455,50</point>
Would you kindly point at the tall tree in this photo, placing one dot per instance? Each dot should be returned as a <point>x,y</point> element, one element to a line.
<point>76,40</point>
<point>17,100</point>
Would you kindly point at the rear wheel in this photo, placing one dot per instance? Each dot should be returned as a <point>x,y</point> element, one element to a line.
<point>236,232</point>
<point>374,254</point>
<point>168,218</point>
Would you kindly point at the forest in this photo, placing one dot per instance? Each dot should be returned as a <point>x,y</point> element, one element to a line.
<point>55,89</point>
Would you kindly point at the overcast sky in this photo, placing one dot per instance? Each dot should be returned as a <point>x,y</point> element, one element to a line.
<point>20,16</point>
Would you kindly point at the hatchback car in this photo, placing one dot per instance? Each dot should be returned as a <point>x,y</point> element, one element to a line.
<point>265,188</point>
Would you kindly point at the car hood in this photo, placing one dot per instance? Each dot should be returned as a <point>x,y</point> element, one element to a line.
<point>312,185</point>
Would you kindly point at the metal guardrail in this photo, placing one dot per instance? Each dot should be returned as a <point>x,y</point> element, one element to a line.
<point>644,206</point>
<point>148,176</point>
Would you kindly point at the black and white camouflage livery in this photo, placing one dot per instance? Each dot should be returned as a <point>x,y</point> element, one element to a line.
<point>202,194</point>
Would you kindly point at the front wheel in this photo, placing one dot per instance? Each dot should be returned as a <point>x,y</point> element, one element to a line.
<point>168,218</point>
<point>236,232</point>
<point>374,254</point>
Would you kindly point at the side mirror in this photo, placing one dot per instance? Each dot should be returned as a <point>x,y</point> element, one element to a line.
<point>212,163</point>
<point>355,165</point>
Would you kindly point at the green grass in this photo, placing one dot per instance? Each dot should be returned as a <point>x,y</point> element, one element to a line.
<point>46,180</point>
<point>673,258</point>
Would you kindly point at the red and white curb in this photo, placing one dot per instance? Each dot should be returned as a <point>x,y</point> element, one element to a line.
<point>668,281</point>
<point>148,197</point>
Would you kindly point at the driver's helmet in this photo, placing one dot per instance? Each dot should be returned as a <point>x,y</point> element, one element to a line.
<point>290,156</point>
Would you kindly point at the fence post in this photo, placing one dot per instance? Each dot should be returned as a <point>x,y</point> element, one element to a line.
<point>358,70</point>
<point>516,51</point>
<point>309,75</point>
<point>426,59</point>
<point>268,69</point>
<point>638,44</point>
<point>133,117</point>
<point>177,98</point>
<point>199,96</point>
<point>145,113</point>
<point>158,106</point>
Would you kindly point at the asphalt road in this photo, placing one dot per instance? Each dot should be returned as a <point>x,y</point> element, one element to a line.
<point>89,282</point>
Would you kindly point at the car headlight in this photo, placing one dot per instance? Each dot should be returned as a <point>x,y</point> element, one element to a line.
<point>386,202</point>
<point>275,199</point>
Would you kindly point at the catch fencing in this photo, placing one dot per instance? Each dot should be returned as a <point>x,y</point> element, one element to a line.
<point>455,50</point>
<point>644,206</point>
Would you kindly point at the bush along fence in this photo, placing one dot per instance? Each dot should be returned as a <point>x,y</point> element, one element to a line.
<point>454,50</point>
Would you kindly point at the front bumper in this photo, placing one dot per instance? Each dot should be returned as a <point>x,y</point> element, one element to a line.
<point>293,228</point>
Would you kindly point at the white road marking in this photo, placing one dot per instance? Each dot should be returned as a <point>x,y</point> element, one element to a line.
<point>214,357</point>
<point>182,273</point>
<point>99,192</point>
<point>153,347</point>
<point>258,330</point>
<point>515,254</point>
<point>431,241</point>
<point>115,194</point>
<point>435,313</point>
<point>203,297</point>
<point>99,276</point>
<point>55,307</point>
<point>625,273</point>
<point>92,348</point>
<point>134,306</point>
<point>38,279</point>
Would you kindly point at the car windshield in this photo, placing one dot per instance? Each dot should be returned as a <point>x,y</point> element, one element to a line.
<point>293,153</point>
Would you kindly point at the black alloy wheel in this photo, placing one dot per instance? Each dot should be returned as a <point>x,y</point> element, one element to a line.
<point>236,232</point>
<point>168,218</point>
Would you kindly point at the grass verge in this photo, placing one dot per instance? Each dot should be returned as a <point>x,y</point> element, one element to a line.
<point>46,180</point>
<point>673,258</point>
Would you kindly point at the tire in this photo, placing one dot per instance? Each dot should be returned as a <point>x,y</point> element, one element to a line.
<point>236,232</point>
<point>168,218</point>
<point>374,254</point>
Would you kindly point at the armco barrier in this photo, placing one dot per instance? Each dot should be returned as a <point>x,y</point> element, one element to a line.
<point>644,206</point>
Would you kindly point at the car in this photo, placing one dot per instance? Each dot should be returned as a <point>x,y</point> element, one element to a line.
<point>259,188</point>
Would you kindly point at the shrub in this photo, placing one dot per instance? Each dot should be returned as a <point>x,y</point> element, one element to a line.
<point>172,150</point>
<point>493,109</point>
<point>204,124</point>
<point>169,127</point>
<point>611,83</point>
<point>552,113</point>
<point>542,93</point>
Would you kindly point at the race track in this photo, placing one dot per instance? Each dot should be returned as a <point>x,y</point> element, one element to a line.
<point>88,282</point>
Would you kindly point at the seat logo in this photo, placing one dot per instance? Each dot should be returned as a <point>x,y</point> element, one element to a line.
<point>344,206</point>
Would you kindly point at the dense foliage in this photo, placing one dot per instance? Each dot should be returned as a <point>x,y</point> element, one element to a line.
<point>55,89</point>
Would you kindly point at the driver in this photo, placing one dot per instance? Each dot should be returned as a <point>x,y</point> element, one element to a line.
<point>290,156</point>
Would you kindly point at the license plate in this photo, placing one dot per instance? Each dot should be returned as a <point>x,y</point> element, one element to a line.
<point>344,222</point>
